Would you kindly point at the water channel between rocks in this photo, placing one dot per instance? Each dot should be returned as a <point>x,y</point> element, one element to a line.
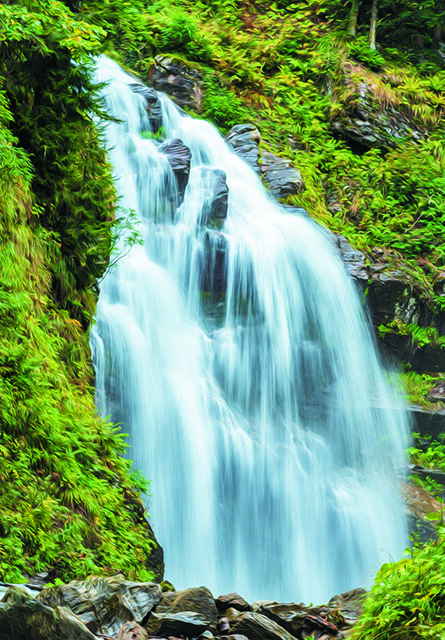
<point>234,350</point>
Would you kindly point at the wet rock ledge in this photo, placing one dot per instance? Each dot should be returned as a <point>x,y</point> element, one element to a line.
<point>116,609</point>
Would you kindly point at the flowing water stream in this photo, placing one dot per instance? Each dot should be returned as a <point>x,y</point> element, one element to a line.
<point>261,416</point>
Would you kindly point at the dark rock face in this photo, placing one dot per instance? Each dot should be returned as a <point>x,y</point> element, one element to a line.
<point>372,127</point>
<point>392,297</point>
<point>179,157</point>
<point>179,81</point>
<point>244,140</point>
<point>214,271</point>
<point>22,617</point>
<point>152,105</point>
<point>108,601</point>
<point>215,206</point>
<point>233,600</point>
<point>280,176</point>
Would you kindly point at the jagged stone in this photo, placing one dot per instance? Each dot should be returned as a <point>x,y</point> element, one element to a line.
<point>132,631</point>
<point>110,601</point>
<point>259,627</point>
<point>244,140</point>
<point>183,623</point>
<point>153,105</point>
<point>179,157</point>
<point>233,600</point>
<point>214,271</point>
<point>214,210</point>
<point>280,176</point>
<point>197,600</point>
<point>181,82</point>
<point>290,616</point>
<point>23,617</point>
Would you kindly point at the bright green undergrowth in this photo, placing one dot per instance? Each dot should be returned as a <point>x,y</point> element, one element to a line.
<point>70,505</point>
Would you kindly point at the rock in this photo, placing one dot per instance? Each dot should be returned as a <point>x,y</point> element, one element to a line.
<point>231,637</point>
<point>290,616</point>
<point>280,176</point>
<point>244,140</point>
<point>371,125</point>
<point>419,503</point>
<point>179,157</point>
<point>153,105</point>
<point>197,600</point>
<point>259,627</point>
<point>109,601</point>
<point>350,604</point>
<point>214,270</point>
<point>437,392</point>
<point>181,82</point>
<point>183,623</point>
<point>214,210</point>
<point>132,631</point>
<point>233,600</point>
<point>223,626</point>
<point>23,617</point>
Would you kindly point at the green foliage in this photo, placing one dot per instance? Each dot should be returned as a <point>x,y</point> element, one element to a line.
<point>431,458</point>
<point>407,599</point>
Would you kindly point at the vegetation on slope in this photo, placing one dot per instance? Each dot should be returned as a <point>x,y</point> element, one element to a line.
<point>69,503</point>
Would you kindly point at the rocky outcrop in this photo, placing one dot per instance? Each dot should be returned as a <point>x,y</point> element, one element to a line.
<point>282,178</point>
<point>153,105</point>
<point>374,123</point>
<point>181,82</point>
<point>215,204</point>
<point>179,157</point>
<point>244,140</point>
<point>105,603</point>
<point>102,608</point>
<point>392,298</point>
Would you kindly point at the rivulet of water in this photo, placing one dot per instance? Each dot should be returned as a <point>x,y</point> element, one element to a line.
<point>260,414</point>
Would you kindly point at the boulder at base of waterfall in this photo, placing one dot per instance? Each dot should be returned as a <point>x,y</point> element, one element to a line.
<point>259,627</point>
<point>132,631</point>
<point>179,157</point>
<point>197,600</point>
<point>290,616</point>
<point>181,82</point>
<point>23,617</point>
<point>350,604</point>
<point>183,623</point>
<point>280,176</point>
<point>233,600</point>
<point>109,601</point>
<point>214,210</point>
<point>153,105</point>
<point>244,140</point>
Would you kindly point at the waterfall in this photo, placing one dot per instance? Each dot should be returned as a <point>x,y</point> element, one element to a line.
<point>257,407</point>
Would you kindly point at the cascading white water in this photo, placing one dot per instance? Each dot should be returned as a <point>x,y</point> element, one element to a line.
<point>261,417</point>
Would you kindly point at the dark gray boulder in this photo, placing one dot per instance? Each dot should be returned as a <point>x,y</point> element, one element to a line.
<point>153,105</point>
<point>23,617</point>
<point>108,601</point>
<point>179,157</point>
<point>181,82</point>
<point>214,268</point>
<point>244,140</point>
<point>290,616</point>
<point>282,178</point>
<point>214,210</point>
